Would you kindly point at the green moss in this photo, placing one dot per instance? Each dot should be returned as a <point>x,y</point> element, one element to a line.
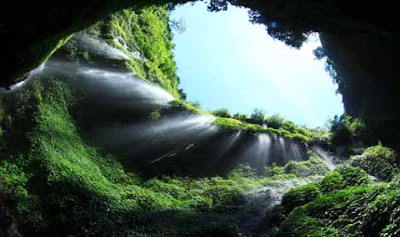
<point>299,196</point>
<point>355,211</point>
<point>60,173</point>
<point>313,166</point>
<point>378,161</point>
<point>144,31</point>
<point>332,181</point>
<point>344,203</point>
<point>61,184</point>
<point>223,113</point>
<point>234,124</point>
<point>185,106</point>
<point>155,115</point>
<point>37,56</point>
<point>343,177</point>
<point>273,170</point>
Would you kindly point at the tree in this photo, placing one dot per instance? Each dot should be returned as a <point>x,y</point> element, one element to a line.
<point>178,24</point>
<point>289,126</point>
<point>319,53</point>
<point>275,121</point>
<point>258,115</point>
<point>223,113</point>
<point>182,94</point>
<point>340,133</point>
<point>196,104</point>
<point>241,117</point>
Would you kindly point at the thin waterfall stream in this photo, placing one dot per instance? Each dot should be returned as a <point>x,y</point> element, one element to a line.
<point>114,115</point>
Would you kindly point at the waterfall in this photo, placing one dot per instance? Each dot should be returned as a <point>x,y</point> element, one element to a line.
<point>264,198</point>
<point>114,114</point>
<point>20,84</point>
<point>95,46</point>
<point>325,156</point>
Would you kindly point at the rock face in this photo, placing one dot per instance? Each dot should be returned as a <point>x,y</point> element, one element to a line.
<point>367,64</point>
<point>8,218</point>
<point>362,43</point>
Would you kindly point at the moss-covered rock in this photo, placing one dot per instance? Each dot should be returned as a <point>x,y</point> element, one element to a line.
<point>345,212</point>
<point>60,184</point>
<point>378,161</point>
<point>299,196</point>
<point>343,177</point>
<point>314,165</point>
<point>53,182</point>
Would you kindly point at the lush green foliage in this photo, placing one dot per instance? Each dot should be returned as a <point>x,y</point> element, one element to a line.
<point>230,123</point>
<point>223,113</point>
<point>241,117</point>
<point>276,125</point>
<point>343,177</point>
<point>275,121</point>
<point>234,124</point>
<point>378,161</point>
<point>299,196</point>
<point>145,38</point>
<point>314,165</point>
<point>185,107</point>
<point>345,129</point>
<point>340,132</point>
<point>258,115</point>
<point>36,56</point>
<point>59,183</point>
<point>355,211</point>
<point>344,203</point>
<point>273,170</point>
<point>146,31</point>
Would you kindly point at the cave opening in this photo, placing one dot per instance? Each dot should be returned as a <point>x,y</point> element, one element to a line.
<point>99,140</point>
<point>225,61</point>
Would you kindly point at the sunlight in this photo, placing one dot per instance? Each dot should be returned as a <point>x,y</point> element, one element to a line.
<point>224,61</point>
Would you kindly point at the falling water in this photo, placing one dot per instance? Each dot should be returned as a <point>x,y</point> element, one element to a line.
<point>266,149</point>
<point>18,85</point>
<point>112,89</point>
<point>169,136</point>
<point>230,143</point>
<point>111,96</point>
<point>135,54</point>
<point>264,125</point>
<point>98,47</point>
<point>258,152</point>
<point>126,85</point>
<point>263,145</point>
<point>183,124</point>
<point>190,128</point>
<point>264,198</point>
<point>325,156</point>
<point>295,151</point>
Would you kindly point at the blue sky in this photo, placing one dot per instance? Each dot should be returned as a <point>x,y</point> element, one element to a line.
<point>224,61</point>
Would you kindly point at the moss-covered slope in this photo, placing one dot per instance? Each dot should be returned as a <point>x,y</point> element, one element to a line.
<point>62,186</point>
<point>55,182</point>
<point>368,69</point>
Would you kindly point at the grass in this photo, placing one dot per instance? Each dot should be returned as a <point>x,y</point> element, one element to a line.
<point>61,185</point>
<point>344,203</point>
<point>144,31</point>
<point>59,181</point>
<point>354,211</point>
<point>234,124</point>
